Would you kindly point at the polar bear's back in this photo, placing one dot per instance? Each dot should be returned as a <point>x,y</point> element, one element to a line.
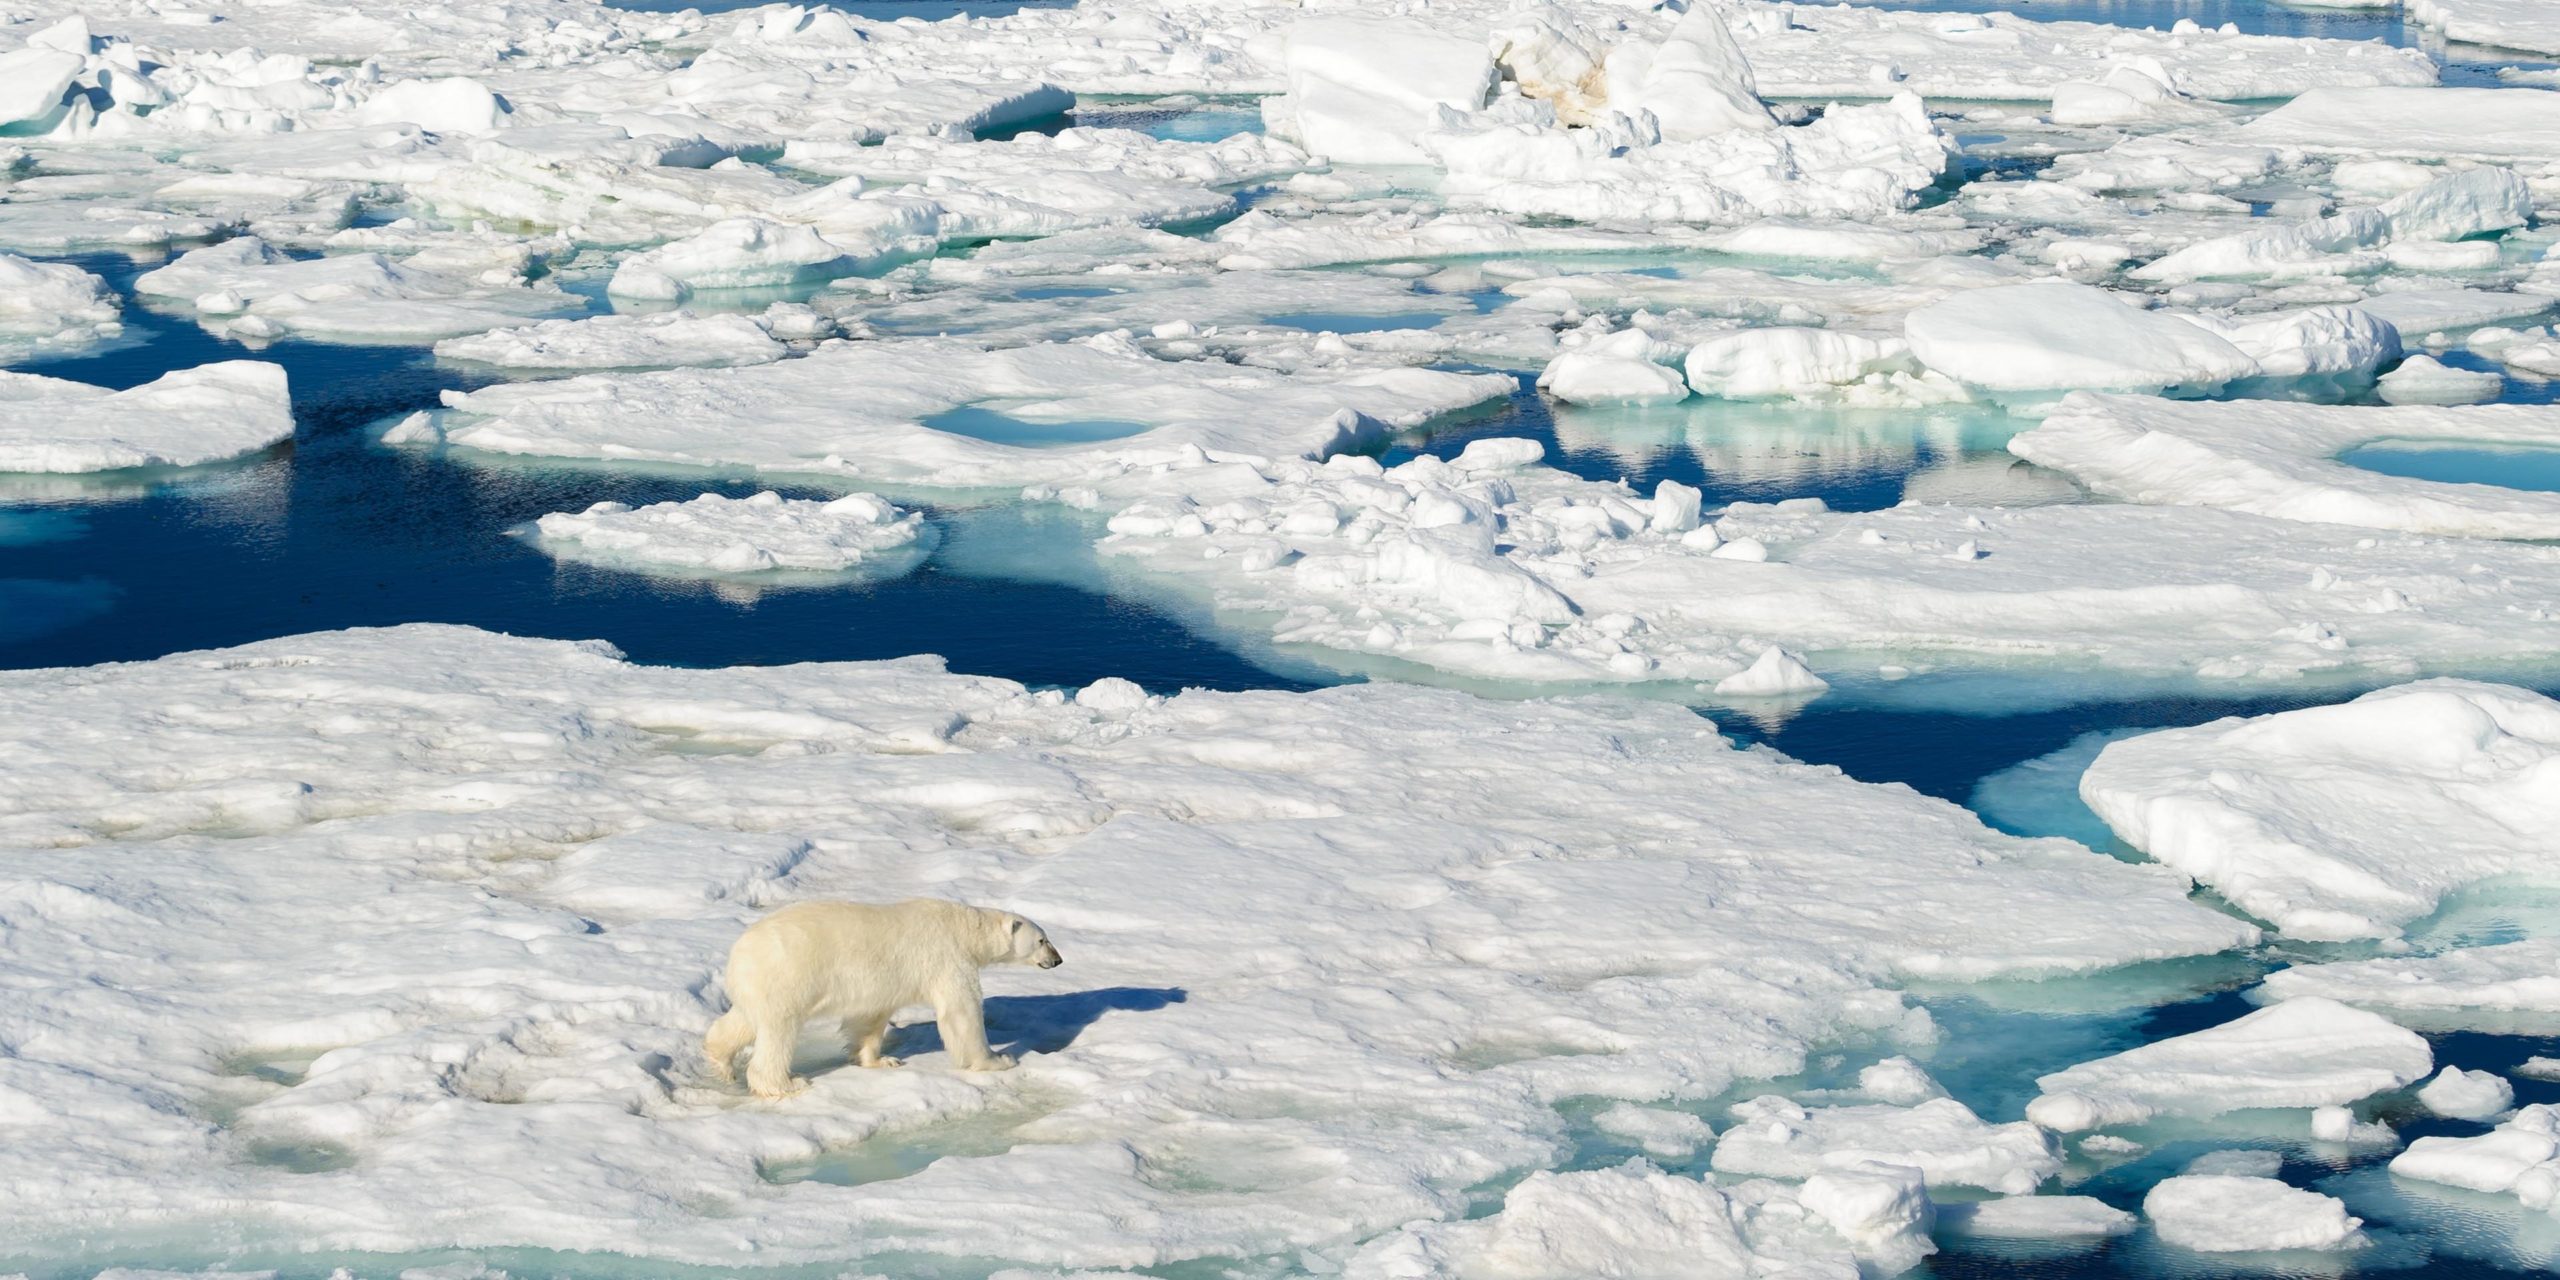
<point>854,958</point>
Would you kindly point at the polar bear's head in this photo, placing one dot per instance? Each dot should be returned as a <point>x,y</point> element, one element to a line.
<point>1028,943</point>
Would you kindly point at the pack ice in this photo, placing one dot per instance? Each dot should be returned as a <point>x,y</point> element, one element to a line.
<point>2278,459</point>
<point>2302,818</point>
<point>716,534</point>
<point>2304,1053</point>
<point>182,419</point>
<point>392,903</point>
<point>1488,566</point>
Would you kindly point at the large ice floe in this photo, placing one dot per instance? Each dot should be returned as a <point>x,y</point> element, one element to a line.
<point>52,307</point>
<point>2282,460</point>
<point>2303,1053</point>
<point>2513,983</point>
<point>193,416</point>
<point>1488,567</point>
<point>2304,818</point>
<point>952,414</point>
<point>392,903</point>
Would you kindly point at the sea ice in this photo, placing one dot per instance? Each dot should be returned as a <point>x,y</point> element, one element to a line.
<point>665,340</point>
<point>1626,367</point>
<point>1489,567</point>
<point>2425,380</point>
<point>2520,1157</point>
<point>246,288</point>
<point>2218,1213</point>
<point>2057,336</point>
<point>800,415</point>
<point>2302,1053</point>
<point>180,419</point>
<point>2505,24</point>
<point>2278,459</point>
<point>714,534</point>
<point>2466,1095</point>
<point>52,307</point>
<point>1361,89</point>
<point>431,898</point>
<point>2036,1218</point>
<point>2452,988</point>
<point>2421,124</point>
<point>2302,817</point>
<point>1942,1138</point>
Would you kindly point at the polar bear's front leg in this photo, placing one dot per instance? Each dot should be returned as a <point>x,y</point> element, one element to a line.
<point>769,1067</point>
<point>958,1011</point>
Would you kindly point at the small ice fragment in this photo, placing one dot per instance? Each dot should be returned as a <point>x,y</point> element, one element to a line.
<point>2466,1095</point>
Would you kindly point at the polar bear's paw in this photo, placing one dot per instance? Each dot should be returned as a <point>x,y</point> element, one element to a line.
<point>994,1062</point>
<point>881,1061</point>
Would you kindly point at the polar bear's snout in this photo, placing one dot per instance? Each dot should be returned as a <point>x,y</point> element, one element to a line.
<point>1047,957</point>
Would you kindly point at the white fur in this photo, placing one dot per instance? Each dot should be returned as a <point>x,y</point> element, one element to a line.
<point>858,963</point>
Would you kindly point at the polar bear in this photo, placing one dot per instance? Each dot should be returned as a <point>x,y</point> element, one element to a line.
<point>859,963</point>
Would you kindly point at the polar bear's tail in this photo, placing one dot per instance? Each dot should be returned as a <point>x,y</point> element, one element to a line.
<point>722,1042</point>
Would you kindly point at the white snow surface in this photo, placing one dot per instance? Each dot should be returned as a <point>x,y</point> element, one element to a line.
<point>1942,1138</point>
<point>2505,24</point>
<point>664,340</point>
<point>2302,818</point>
<point>181,419</point>
<point>51,307</point>
<point>432,898</point>
<point>2043,1218</point>
<point>1486,566</point>
<point>2219,1213</point>
<point>2510,977</point>
<point>865,409</point>
<point>2521,1157</point>
<point>2058,336</point>
<point>2304,1053</point>
<point>247,288</point>
<point>717,534</point>
<point>2280,459</point>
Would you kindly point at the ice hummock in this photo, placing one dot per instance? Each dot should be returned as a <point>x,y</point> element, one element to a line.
<point>762,534</point>
<point>2308,1052</point>
<point>187,418</point>
<point>2302,817</point>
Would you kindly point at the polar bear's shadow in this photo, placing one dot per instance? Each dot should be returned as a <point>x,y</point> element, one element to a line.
<point>1038,1024</point>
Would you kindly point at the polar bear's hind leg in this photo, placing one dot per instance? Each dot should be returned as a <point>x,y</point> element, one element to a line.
<point>728,1035</point>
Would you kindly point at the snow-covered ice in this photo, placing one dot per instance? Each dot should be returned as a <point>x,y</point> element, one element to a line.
<point>2466,1095</point>
<point>2036,1218</point>
<point>2279,459</point>
<point>881,411</point>
<point>1490,567</point>
<point>2303,818</point>
<point>763,534</point>
<point>2521,1157</point>
<point>1942,1138</point>
<point>2058,336</point>
<point>182,419</point>
<point>2219,1213</point>
<point>2452,988</point>
<point>2309,1052</point>
<point>383,858</point>
<point>665,340</point>
<point>246,288</point>
<point>50,307</point>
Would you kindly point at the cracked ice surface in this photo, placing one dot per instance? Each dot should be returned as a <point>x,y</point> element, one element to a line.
<point>491,880</point>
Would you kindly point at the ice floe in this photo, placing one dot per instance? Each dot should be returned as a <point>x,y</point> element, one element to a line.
<point>2302,1053</point>
<point>52,307</point>
<point>2466,1095</point>
<point>2220,1213</point>
<point>2521,1157</point>
<point>763,534</point>
<point>1942,1138</point>
<point>2058,336</point>
<point>2036,1218</point>
<point>2462,987</point>
<point>1486,566</point>
<point>2282,460</point>
<point>1061,413</point>
<point>2508,24</point>
<point>400,902</point>
<point>246,288</point>
<point>2302,817</point>
<point>193,416</point>
<point>664,340</point>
